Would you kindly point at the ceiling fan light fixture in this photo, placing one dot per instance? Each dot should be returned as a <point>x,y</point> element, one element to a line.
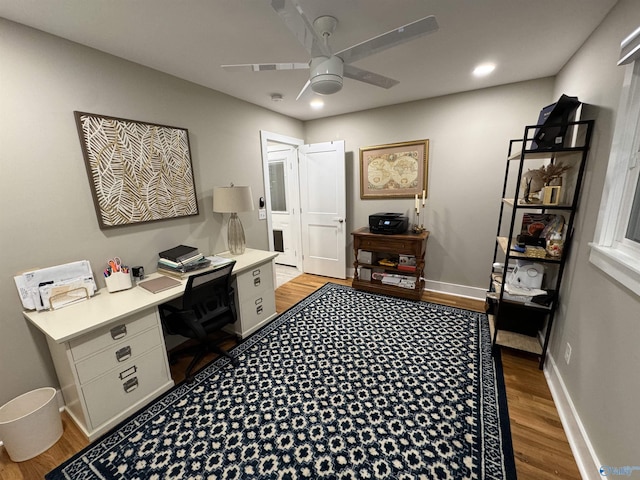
<point>326,75</point>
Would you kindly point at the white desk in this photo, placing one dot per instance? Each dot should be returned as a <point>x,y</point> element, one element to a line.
<point>109,351</point>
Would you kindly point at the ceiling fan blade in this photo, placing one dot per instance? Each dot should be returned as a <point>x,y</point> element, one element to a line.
<point>368,77</point>
<point>263,67</point>
<point>304,90</point>
<point>392,38</point>
<point>296,21</point>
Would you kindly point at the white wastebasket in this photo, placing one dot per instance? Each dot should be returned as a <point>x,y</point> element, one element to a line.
<point>30,424</point>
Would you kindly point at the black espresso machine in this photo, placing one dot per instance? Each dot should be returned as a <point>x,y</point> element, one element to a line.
<point>388,223</point>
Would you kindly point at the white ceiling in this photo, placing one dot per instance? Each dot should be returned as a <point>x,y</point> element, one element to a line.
<point>190,39</point>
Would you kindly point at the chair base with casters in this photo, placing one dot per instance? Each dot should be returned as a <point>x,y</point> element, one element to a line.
<point>207,305</point>
<point>198,352</point>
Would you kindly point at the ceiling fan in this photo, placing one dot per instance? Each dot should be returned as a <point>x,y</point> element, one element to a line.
<point>328,68</point>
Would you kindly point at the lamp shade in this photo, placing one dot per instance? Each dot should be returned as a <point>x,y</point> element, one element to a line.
<point>232,199</point>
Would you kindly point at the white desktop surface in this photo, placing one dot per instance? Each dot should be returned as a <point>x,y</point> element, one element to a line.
<point>104,308</point>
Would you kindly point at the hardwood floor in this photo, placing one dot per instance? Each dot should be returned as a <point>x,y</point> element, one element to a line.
<point>539,442</point>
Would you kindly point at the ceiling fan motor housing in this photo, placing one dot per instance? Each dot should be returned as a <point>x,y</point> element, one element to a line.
<point>326,75</point>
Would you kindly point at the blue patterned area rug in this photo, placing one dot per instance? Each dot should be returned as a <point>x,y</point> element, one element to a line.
<point>344,385</point>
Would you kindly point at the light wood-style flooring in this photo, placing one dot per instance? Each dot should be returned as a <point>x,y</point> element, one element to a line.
<point>540,444</point>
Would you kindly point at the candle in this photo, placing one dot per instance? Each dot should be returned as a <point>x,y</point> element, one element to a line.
<point>423,196</point>
<point>417,205</point>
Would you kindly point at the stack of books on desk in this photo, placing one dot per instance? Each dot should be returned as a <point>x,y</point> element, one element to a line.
<point>180,261</point>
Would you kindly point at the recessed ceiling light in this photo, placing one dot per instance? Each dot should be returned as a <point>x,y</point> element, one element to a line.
<point>484,69</point>
<point>317,103</point>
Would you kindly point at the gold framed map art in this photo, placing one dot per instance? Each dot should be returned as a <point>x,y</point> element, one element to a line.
<point>139,172</point>
<point>396,170</point>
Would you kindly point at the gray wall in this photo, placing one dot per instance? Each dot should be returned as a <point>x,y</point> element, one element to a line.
<point>469,137</point>
<point>600,318</point>
<point>47,215</point>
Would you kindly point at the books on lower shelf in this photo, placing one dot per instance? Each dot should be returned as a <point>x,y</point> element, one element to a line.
<point>401,281</point>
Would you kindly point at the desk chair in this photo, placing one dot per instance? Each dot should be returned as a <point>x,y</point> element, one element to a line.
<point>208,304</point>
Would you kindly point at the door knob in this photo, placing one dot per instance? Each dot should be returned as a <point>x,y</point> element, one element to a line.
<point>340,220</point>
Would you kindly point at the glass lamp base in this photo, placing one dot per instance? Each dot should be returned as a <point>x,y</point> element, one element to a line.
<point>235,236</point>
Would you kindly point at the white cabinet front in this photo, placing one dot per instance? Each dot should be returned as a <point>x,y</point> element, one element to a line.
<point>109,395</point>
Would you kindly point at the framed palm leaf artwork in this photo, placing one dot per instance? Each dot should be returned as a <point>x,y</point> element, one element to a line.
<point>138,172</point>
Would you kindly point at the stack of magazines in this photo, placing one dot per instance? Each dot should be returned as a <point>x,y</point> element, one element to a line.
<point>180,261</point>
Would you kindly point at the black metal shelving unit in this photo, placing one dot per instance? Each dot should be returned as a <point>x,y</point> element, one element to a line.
<point>508,312</point>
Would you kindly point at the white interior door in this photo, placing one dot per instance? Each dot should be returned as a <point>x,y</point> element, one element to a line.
<point>323,208</point>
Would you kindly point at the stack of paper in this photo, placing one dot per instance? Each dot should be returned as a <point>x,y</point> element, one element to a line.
<point>56,287</point>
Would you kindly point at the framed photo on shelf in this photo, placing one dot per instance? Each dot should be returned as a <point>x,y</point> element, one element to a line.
<point>138,172</point>
<point>396,170</point>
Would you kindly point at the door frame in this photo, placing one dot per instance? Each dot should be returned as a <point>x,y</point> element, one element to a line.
<point>265,138</point>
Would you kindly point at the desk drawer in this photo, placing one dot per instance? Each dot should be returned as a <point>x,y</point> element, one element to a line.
<point>254,310</point>
<point>388,245</point>
<point>255,281</point>
<point>121,388</point>
<point>115,355</point>
<point>113,334</point>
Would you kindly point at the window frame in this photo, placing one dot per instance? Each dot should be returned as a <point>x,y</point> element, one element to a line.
<point>611,251</point>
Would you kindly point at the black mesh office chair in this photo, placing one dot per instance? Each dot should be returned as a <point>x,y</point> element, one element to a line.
<point>208,304</point>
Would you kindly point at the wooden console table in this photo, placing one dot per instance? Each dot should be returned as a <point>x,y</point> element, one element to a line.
<point>389,246</point>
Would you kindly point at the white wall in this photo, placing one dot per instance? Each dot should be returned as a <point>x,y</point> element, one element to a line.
<point>469,137</point>
<point>47,214</point>
<point>600,318</point>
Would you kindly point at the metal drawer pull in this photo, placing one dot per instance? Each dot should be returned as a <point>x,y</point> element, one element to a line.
<point>256,272</point>
<point>119,332</point>
<point>258,301</point>
<point>123,354</point>
<point>259,309</point>
<point>128,372</point>
<point>256,282</point>
<point>130,385</point>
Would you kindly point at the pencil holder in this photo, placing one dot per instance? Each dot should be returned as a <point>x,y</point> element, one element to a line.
<point>118,281</point>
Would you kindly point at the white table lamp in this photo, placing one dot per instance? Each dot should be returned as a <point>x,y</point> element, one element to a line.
<point>233,200</point>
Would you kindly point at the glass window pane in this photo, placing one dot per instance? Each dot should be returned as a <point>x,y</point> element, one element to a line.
<point>633,230</point>
<point>277,187</point>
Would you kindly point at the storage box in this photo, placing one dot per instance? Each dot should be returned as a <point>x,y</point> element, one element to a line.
<point>365,257</point>
<point>408,260</point>
<point>364,274</point>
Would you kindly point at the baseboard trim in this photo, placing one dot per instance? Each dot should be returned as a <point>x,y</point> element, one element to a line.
<point>579,442</point>
<point>454,289</point>
<point>448,288</point>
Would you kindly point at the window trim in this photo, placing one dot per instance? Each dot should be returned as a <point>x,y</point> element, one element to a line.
<point>610,251</point>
